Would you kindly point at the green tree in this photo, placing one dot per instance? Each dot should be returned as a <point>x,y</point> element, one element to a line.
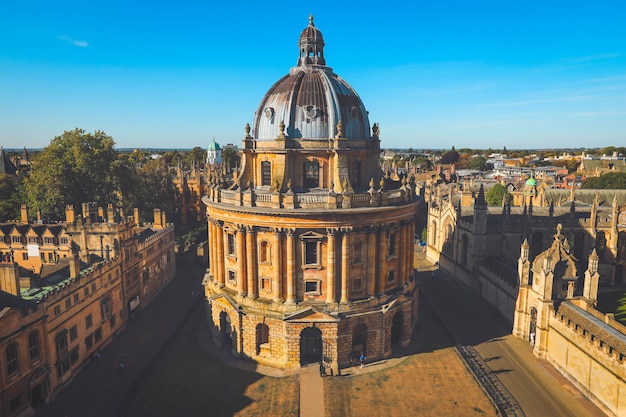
<point>74,168</point>
<point>479,162</point>
<point>230,158</point>
<point>11,200</point>
<point>496,194</point>
<point>450,157</point>
<point>195,156</point>
<point>612,180</point>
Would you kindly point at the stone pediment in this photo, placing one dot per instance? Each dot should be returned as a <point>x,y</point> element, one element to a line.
<point>311,315</point>
<point>311,235</point>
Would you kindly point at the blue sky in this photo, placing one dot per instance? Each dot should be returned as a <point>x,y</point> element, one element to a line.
<point>479,74</point>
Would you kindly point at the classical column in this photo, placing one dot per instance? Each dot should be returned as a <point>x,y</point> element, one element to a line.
<point>410,248</point>
<point>241,261</point>
<point>291,263</point>
<point>219,265</point>
<point>382,260</point>
<point>330,276</point>
<point>251,251</point>
<point>400,250</point>
<point>345,248</point>
<point>211,244</point>
<point>276,287</point>
<point>371,256</point>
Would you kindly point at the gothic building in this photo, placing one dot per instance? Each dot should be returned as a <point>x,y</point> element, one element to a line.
<point>310,247</point>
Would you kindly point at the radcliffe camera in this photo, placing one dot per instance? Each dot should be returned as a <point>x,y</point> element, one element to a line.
<point>232,210</point>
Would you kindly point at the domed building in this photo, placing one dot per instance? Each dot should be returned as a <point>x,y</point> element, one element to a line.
<point>310,245</point>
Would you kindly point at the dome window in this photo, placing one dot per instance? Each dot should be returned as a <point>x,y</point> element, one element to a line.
<point>354,112</point>
<point>311,112</point>
<point>269,112</point>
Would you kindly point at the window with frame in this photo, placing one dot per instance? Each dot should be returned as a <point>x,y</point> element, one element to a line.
<point>11,359</point>
<point>24,256</point>
<point>391,249</point>
<point>89,341</point>
<point>33,346</point>
<point>97,334</point>
<point>312,287</point>
<point>32,240</point>
<point>231,244</point>
<point>266,173</point>
<point>86,291</point>
<point>391,276</point>
<point>266,284</point>
<point>63,363</point>
<point>311,252</point>
<point>57,310</point>
<point>16,239</point>
<point>48,240</point>
<point>88,321</point>
<point>311,174</point>
<point>232,276</point>
<point>73,333</point>
<point>68,302</point>
<point>76,298</point>
<point>106,307</point>
<point>357,284</point>
<point>357,252</point>
<point>355,173</point>
<point>63,241</point>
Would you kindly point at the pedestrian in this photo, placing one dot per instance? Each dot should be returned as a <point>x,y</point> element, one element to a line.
<point>95,358</point>
<point>362,360</point>
<point>433,274</point>
<point>532,338</point>
<point>322,369</point>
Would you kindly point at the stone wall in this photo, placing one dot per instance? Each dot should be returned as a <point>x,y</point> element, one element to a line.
<point>591,353</point>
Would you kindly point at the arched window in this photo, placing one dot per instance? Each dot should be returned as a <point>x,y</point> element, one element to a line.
<point>266,173</point>
<point>433,234</point>
<point>264,252</point>
<point>311,175</point>
<point>11,359</point>
<point>33,346</point>
<point>601,245</point>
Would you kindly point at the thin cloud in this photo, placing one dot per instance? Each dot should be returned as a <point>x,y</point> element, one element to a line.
<point>75,42</point>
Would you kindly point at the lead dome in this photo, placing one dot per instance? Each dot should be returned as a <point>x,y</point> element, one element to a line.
<point>311,100</point>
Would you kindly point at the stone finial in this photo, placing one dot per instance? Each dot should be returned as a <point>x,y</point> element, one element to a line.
<point>375,130</point>
<point>339,129</point>
<point>344,186</point>
<point>281,130</point>
<point>382,182</point>
<point>247,130</point>
<point>311,20</point>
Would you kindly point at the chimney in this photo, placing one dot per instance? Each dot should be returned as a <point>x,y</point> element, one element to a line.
<point>39,221</point>
<point>157,219</point>
<point>24,212</point>
<point>100,214</point>
<point>74,266</point>
<point>163,219</point>
<point>110,214</point>
<point>136,212</point>
<point>70,214</point>
<point>9,278</point>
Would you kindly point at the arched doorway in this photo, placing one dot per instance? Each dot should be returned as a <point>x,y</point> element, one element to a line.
<point>262,336</point>
<point>359,342</point>
<point>226,330</point>
<point>397,326</point>
<point>310,345</point>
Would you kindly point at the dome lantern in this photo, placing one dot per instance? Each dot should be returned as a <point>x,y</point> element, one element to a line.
<point>311,46</point>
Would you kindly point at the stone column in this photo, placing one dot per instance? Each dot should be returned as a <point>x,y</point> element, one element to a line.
<point>219,265</point>
<point>276,287</point>
<point>382,260</point>
<point>291,263</point>
<point>345,248</point>
<point>371,256</point>
<point>330,276</point>
<point>251,251</point>
<point>401,253</point>
<point>241,261</point>
<point>211,244</point>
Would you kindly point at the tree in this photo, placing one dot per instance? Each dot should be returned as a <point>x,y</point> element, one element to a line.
<point>11,192</point>
<point>479,162</point>
<point>75,168</point>
<point>450,157</point>
<point>195,156</point>
<point>496,194</point>
<point>230,158</point>
<point>612,180</point>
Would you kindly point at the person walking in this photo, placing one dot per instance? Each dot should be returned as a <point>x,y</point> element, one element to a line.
<point>362,360</point>
<point>322,369</point>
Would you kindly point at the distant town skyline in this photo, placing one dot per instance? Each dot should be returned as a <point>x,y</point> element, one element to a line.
<point>481,74</point>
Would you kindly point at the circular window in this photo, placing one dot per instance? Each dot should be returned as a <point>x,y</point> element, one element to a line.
<point>354,112</point>
<point>311,112</point>
<point>269,112</point>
